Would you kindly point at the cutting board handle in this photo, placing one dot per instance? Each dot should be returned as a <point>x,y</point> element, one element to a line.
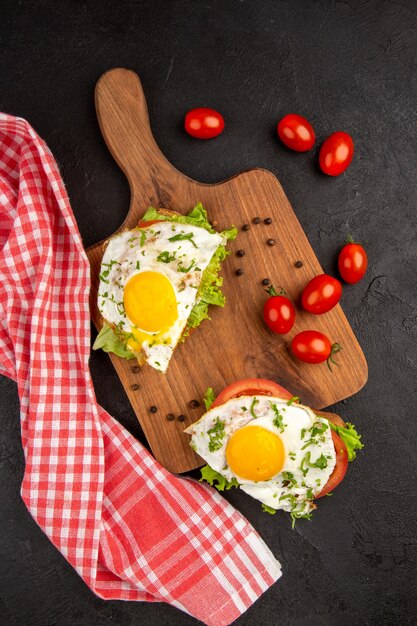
<point>124,122</point>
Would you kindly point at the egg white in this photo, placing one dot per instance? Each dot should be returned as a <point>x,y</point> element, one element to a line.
<point>132,252</point>
<point>279,492</point>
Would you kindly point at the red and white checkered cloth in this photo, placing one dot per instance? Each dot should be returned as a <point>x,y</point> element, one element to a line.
<point>132,530</point>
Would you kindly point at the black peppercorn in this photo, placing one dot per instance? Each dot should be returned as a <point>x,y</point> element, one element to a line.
<point>240,253</point>
<point>266,281</point>
<point>239,272</point>
<point>194,404</point>
<point>268,221</point>
<point>136,369</point>
<point>181,418</point>
<point>245,227</point>
<point>170,417</point>
<point>271,242</point>
<point>134,387</point>
<point>153,409</point>
<point>298,264</point>
<point>256,220</point>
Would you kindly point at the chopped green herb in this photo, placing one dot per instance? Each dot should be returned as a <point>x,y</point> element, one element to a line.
<point>252,407</point>
<point>268,509</point>
<point>102,277</point>
<point>277,421</point>
<point>183,237</point>
<point>289,480</point>
<point>303,432</point>
<point>244,408</point>
<point>166,257</point>
<point>142,238</point>
<point>295,516</point>
<point>321,462</point>
<point>318,428</point>
<point>216,435</point>
<point>137,265</point>
<point>290,497</point>
<point>185,269</point>
<point>306,463</point>
<point>293,399</point>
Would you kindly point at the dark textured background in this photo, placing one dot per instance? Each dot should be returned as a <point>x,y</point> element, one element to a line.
<point>346,66</point>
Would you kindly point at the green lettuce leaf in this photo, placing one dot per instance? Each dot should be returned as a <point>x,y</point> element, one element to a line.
<point>152,214</point>
<point>209,397</point>
<point>350,437</point>
<point>216,480</point>
<point>108,341</point>
<point>197,217</point>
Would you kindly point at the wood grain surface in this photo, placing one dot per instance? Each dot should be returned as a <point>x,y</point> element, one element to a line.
<point>235,344</point>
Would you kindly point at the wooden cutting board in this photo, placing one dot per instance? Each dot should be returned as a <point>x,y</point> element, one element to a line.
<point>235,344</point>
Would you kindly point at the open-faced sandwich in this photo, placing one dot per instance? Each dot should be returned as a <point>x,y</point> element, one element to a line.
<point>157,282</point>
<point>257,436</point>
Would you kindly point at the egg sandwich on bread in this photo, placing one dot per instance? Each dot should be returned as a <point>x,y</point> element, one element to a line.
<point>157,282</point>
<point>257,436</point>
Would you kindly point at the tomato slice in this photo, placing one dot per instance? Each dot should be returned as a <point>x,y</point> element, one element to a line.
<point>340,468</point>
<point>263,387</point>
<point>149,223</point>
<point>252,387</point>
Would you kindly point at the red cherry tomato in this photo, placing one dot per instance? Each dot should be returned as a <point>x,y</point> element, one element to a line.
<point>252,387</point>
<point>352,262</point>
<point>321,294</point>
<point>204,123</point>
<point>336,153</point>
<point>311,346</point>
<point>340,468</point>
<point>279,312</point>
<point>296,132</point>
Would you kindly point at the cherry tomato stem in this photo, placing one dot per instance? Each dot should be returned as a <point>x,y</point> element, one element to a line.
<point>273,292</point>
<point>336,347</point>
<point>311,346</point>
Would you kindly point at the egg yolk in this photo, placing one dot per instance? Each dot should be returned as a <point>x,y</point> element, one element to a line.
<point>150,302</point>
<point>255,453</point>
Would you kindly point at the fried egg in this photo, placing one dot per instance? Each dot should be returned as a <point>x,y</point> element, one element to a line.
<point>277,452</point>
<point>149,280</point>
